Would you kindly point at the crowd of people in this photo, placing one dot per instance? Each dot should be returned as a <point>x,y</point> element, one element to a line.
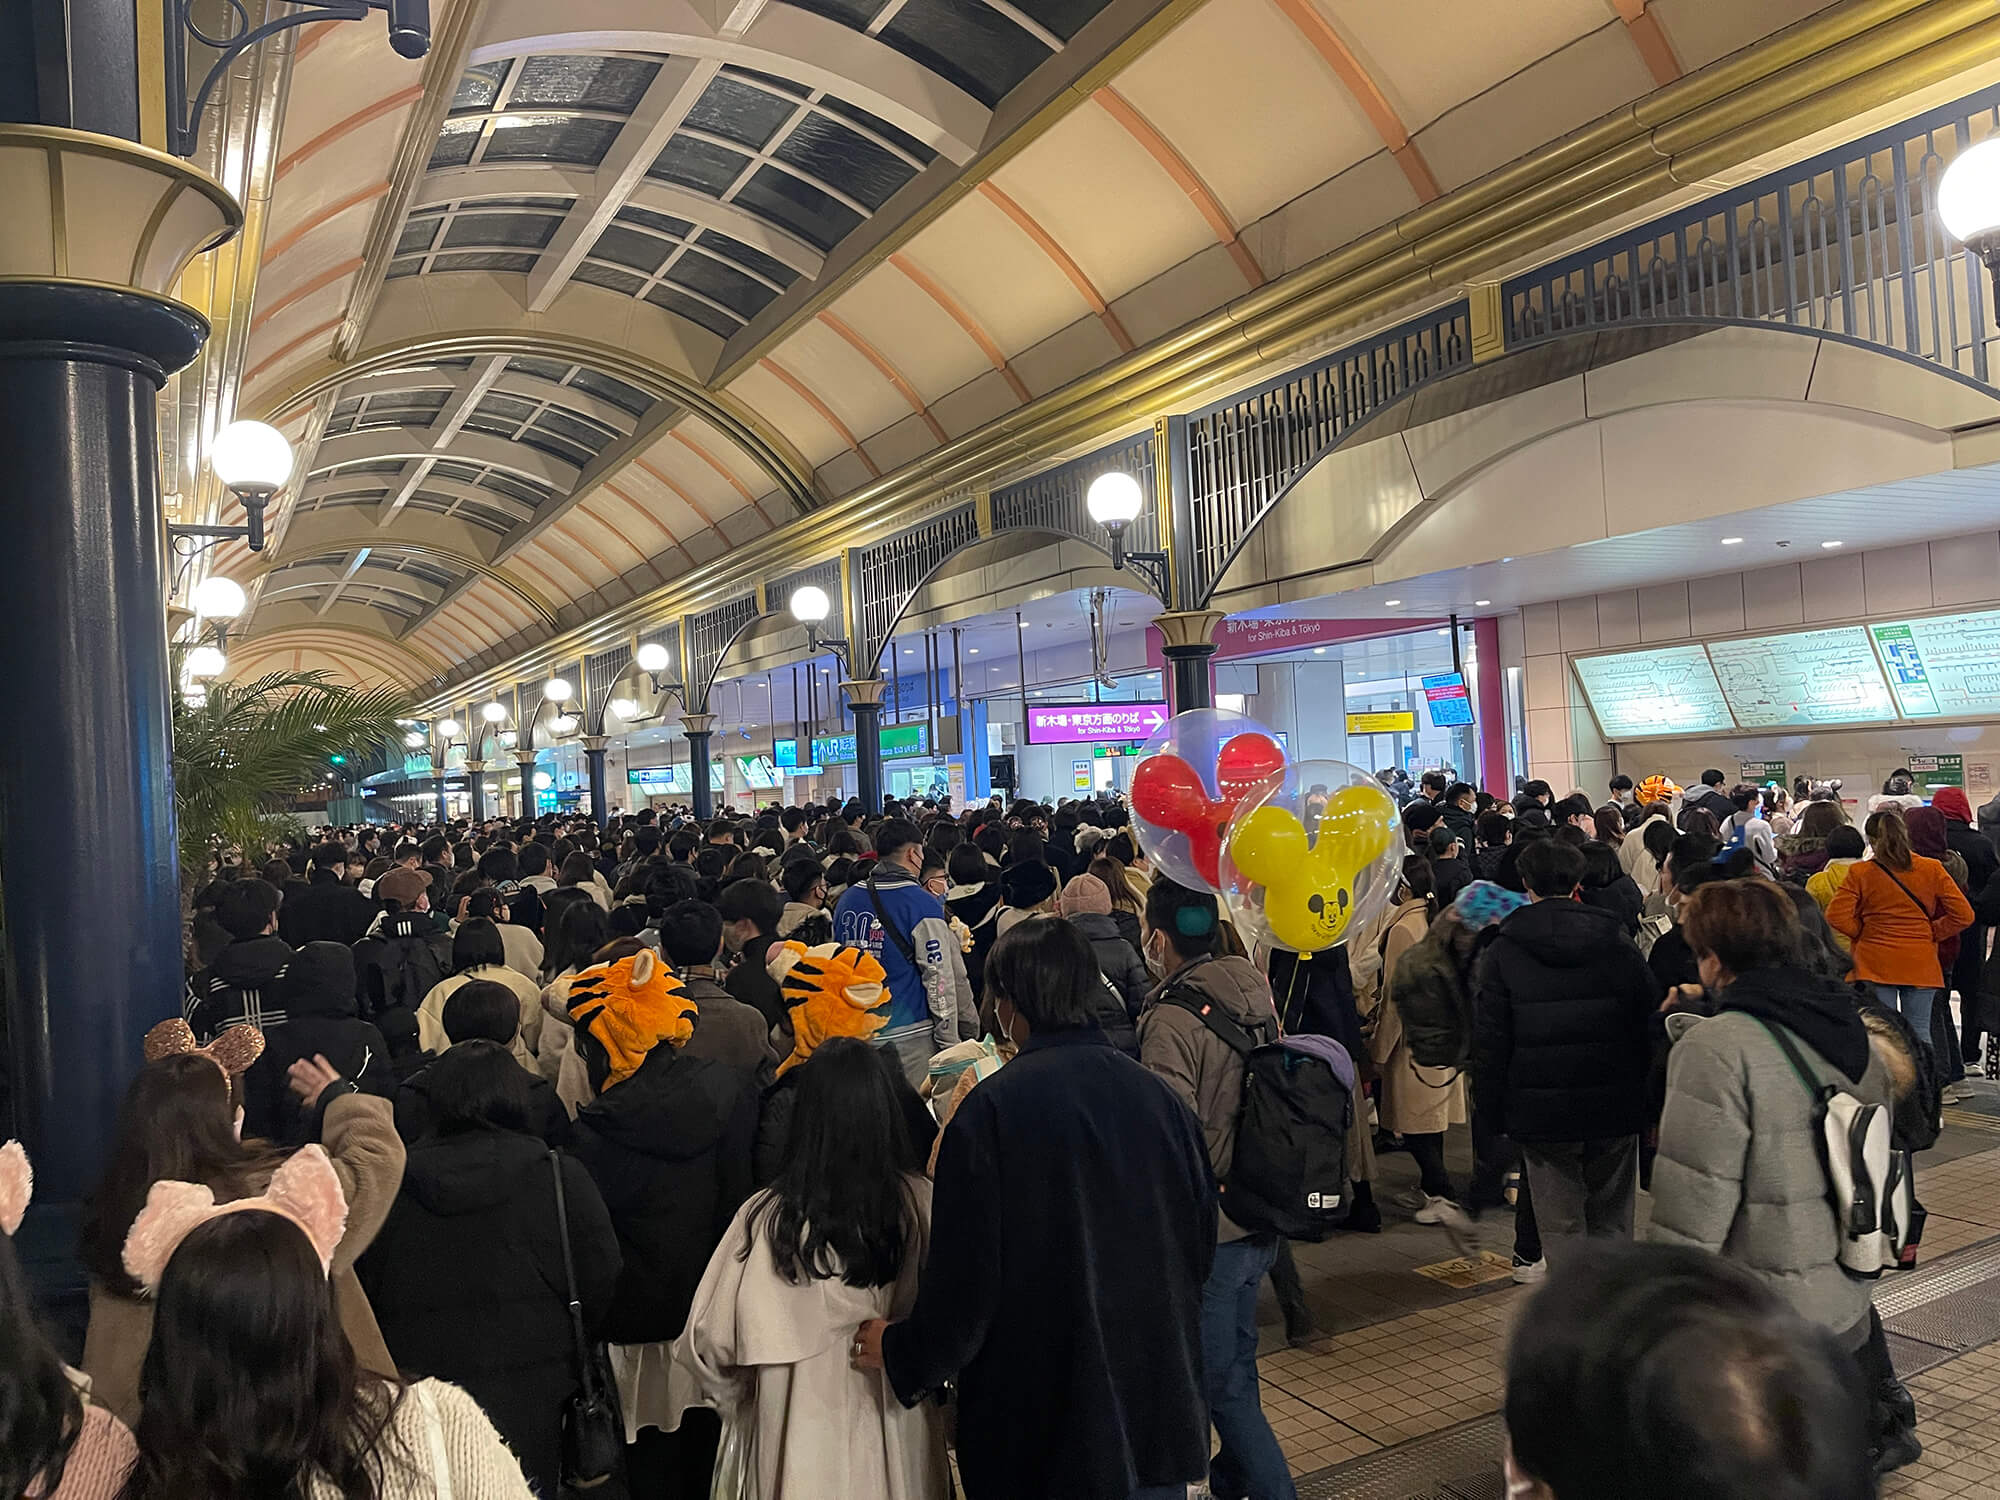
<point>803,1153</point>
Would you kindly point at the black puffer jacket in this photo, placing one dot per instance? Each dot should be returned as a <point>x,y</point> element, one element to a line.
<point>466,1279</point>
<point>1560,1048</point>
<point>669,1148</point>
<point>1119,962</point>
<point>414,1115</point>
<point>317,994</point>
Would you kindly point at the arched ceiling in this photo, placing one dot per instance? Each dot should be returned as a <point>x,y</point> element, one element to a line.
<point>607,289</point>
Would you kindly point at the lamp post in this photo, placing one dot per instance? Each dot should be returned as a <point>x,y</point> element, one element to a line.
<point>1968,201</point>
<point>1115,501</point>
<point>810,606</point>
<point>253,461</point>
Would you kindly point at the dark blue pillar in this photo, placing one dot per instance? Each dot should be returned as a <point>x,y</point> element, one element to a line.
<point>593,760</point>
<point>89,887</point>
<point>698,728</point>
<point>1189,648</point>
<point>864,701</point>
<point>475,788</point>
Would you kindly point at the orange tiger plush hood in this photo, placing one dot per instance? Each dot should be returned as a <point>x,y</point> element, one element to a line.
<point>629,1008</point>
<point>830,991</point>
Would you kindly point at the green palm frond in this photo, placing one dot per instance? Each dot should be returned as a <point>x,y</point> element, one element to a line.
<point>251,744</point>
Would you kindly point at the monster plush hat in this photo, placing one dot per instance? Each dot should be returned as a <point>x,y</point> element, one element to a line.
<point>830,991</point>
<point>627,1009</point>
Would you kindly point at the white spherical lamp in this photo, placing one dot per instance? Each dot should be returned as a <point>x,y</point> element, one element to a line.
<point>809,604</point>
<point>251,456</point>
<point>1114,499</point>
<point>205,661</point>
<point>450,729</point>
<point>1968,197</point>
<point>563,723</point>
<point>653,657</point>
<point>493,713</point>
<point>624,708</point>
<point>218,598</point>
<point>543,781</point>
<point>557,690</point>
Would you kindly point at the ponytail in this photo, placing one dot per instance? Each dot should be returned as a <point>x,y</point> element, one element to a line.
<point>1889,837</point>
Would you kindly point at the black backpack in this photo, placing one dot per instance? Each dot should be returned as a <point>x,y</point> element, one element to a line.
<point>406,970</point>
<point>1289,1172</point>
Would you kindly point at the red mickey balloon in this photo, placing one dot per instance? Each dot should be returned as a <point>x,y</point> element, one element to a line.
<point>1243,762</point>
<point>1166,792</point>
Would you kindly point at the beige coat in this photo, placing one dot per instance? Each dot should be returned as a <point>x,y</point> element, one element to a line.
<point>1415,1101</point>
<point>774,1356</point>
<point>360,1137</point>
<point>430,1015</point>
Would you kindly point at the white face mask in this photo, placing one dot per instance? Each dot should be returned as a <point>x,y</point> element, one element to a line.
<point>1155,956</point>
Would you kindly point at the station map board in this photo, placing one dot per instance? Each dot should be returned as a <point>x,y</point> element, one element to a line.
<point>1944,667</point>
<point>1802,679</point>
<point>1666,690</point>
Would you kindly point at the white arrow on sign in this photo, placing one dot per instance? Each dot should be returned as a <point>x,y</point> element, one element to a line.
<point>1154,718</point>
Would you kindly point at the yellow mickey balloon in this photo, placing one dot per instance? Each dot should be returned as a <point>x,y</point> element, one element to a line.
<point>1309,890</point>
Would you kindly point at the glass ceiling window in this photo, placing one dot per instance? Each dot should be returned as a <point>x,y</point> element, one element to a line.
<point>542,425</point>
<point>386,409</point>
<point>479,234</point>
<point>986,47</point>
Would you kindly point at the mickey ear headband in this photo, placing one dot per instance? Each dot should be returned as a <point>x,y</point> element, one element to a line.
<point>234,1049</point>
<point>17,1186</point>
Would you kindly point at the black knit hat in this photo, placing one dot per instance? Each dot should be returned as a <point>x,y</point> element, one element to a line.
<point>1027,884</point>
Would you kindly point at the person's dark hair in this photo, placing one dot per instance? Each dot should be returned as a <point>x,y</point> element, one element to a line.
<point>894,836</point>
<point>1045,969</point>
<point>1113,875</point>
<point>1460,789</point>
<point>720,828</point>
<point>1658,838</point>
<point>1493,829</point>
<point>1441,840</point>
<point>476,943</point>
<point>944,836</point>
<point>41,1414</point>
<point>576,869</point>
<point>1634,814</point>
<point>1743,796</point>
<point>1819,820</point>
<point>1699,820</point>
<point>1536,790</point>
<point>331,855</point>
<point>1420,878</point>
<point>966,865</point>
<point>1575,805</point>
<point>477,1084</point>
<point>1420,817</point>
<point>1433,781</point>
<point>1620,783</point>
<point>991,841</point>
<point>1610,820</point>
<point>532,860</point>
<point>1570,834</point>
<point>579,930</point>
<point>246,907</point>
<point>433,848</point>
<point>481,1010</point>
<point>690,933</point>
<point>841,1204</point>
<point>800,876</point>
<point>1889,836</point>
<point>752,901</point>
<point>1845,842</point>
<point>176,1123</point>
<point>499,864</point>
<point>1188,918</point>
<point>278,872</point>
<point>486,902</point>
<point>749,866</point>
<point>249,1384</point>
<point>1712,777</point>
<point>1025,847</point>
<point>1550,868</point>
<point>1614,1373</point>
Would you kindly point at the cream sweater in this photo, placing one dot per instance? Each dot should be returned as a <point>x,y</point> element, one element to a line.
<point>436,1420</point>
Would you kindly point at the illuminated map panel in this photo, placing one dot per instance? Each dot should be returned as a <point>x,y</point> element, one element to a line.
<point>1802,679</point>
<point>1662,691</point>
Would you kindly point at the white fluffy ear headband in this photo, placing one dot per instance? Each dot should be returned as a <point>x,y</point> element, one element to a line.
<point>305,1190</point>
<point>17,1186</point>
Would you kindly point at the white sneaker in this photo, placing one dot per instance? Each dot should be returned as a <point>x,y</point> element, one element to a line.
<point>1530,1273</point>
<point>1957,1093</point>
<point>1452,1219</point>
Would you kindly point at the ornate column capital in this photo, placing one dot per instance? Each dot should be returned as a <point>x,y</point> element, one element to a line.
<point>697,723</point>
<point>1183,628</point>
<point>865,690</point>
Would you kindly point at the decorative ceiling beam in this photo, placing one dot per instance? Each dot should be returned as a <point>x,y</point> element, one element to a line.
<point>886,370</point>
<point>469,390</point>
<point>826,413</point>
<point>1366,93</point>
<point>1046,243</point>
<point>956,311</point>
<point>378,443</point>
<point>332,594</point>
<point>1185,178</point>
<point>1649,39</point>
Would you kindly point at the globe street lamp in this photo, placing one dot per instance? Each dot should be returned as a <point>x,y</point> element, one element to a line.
<point>253,461</point>
<point>1115,501</point>
<point>1968,201</point>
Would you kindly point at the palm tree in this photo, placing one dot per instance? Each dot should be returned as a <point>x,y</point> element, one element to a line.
<point>245,746</point>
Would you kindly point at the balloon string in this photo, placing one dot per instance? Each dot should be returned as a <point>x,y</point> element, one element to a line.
<point>1291,988</point>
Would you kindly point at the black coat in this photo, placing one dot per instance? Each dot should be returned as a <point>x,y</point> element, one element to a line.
<point>1559,1045</point>
<point>1451,876</point>
<point>1622,898</point>
<point>466,1278</point>
<point>321,1021</point>
<point>549,1120</point>
<point>242,985</point>
<point>1119,962</point>
<point>326,912</point>
<point>976,910</point>
<point>751,982</point>
<point>1072,1228</point>
<point>670,1150</point>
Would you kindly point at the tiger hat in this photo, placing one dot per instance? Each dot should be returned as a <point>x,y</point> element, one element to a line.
<point>629,1008</point>
<point>830,991</point>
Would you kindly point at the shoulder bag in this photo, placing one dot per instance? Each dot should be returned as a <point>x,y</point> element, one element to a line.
<point>593,1432</point>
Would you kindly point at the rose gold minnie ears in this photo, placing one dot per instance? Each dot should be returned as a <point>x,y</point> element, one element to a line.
<point>17,1186</point>
<point>305,1190</point>
<point>234,1049</point>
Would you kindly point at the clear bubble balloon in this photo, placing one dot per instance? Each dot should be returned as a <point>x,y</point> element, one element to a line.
<point>1311,855</point>
<point>1191,774</point>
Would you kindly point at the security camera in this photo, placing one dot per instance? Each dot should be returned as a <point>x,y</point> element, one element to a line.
<point>410,27</point>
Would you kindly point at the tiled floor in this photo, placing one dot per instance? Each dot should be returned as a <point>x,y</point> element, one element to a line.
<point>1406,1357</point>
